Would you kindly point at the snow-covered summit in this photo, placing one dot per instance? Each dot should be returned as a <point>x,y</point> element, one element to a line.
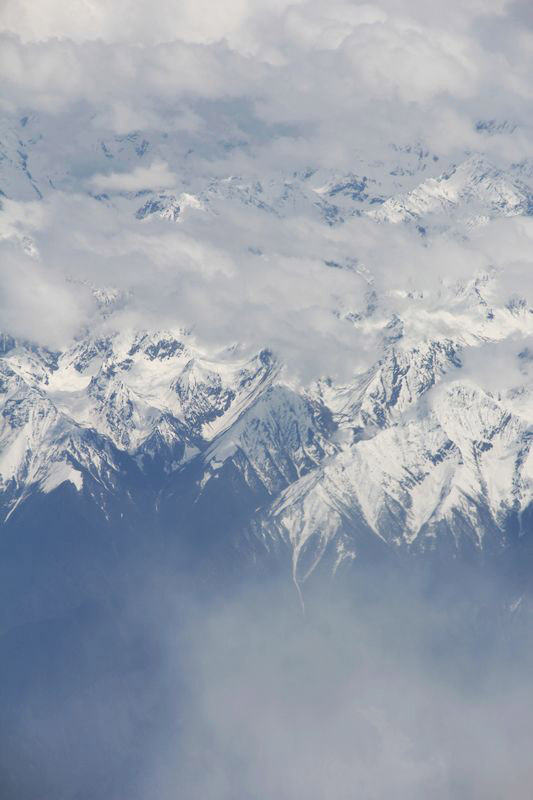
<point>471,192</point>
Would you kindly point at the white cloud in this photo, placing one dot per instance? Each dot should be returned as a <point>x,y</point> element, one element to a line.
<point>124,97</point>
<point>156,176</point>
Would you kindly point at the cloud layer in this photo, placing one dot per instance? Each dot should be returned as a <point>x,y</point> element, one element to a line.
<point>336,72</point>
<point>119,100</point>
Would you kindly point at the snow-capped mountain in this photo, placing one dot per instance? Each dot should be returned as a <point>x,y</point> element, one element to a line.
<point>470,193</point>
<point>412,452</point>
<point>418,451</point>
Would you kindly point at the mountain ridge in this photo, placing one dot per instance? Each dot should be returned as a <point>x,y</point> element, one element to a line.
<point>412,449</point>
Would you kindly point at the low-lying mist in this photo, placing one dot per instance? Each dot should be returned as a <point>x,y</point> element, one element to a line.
<point>383,689</point>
